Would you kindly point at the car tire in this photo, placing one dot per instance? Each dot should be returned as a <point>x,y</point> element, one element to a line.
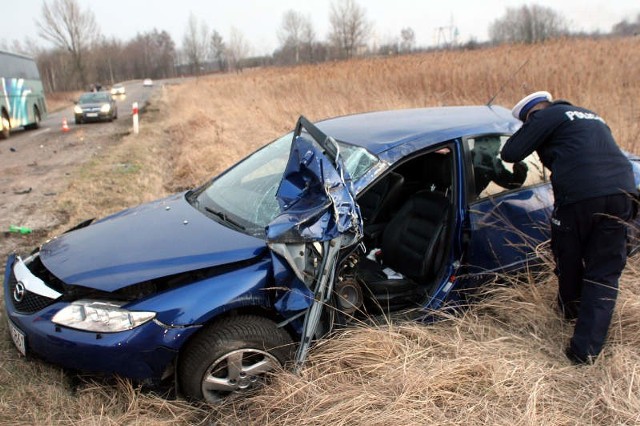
<point>78,120</point>
<point>254,344</point>
<point>5,131</point>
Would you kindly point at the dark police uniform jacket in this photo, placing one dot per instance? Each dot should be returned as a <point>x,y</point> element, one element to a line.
<point>577,146</point>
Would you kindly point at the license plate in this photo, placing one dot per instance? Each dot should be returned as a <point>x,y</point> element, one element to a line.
<point>18,339</point>
<point>92,114</point>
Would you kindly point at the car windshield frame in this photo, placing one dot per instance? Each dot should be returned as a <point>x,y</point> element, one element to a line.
<point>244,196</point>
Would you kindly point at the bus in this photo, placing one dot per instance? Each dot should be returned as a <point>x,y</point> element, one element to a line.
<point>22,102</point>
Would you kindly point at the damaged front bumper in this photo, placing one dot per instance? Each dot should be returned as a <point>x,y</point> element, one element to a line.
<point>145,352</point>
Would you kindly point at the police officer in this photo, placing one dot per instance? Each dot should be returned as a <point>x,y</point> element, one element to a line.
<point>592,182</point>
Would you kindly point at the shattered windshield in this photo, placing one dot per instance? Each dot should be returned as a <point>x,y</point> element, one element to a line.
<point>245,196</point>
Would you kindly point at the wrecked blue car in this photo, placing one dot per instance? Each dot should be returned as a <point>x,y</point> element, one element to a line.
<point>395,211</point>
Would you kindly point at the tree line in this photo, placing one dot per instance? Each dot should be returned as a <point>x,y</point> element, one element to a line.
<point>80,55</point>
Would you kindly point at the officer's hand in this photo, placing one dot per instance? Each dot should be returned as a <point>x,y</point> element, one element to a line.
<point>520,167</point>
<point>520,170</point>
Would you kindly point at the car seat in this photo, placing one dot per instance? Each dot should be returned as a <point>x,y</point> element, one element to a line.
<point>376,203</point>
<point>414,245</point>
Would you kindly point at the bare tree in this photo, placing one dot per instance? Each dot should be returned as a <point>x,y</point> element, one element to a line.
<point>163,54</point>
<point>237,49</point>
<point>108,61</point>
<point>308,41</point>
<point>55,66</point>
<point>350,28</point>
<point>68,27</point>
<point>196,43</point>
<point>150,54</point>
<point>296,34</point>
<point>626,28</point>
<point>219,51</point>
<point>528,24</point>
<point>408,39</point>
<point>27,47</point>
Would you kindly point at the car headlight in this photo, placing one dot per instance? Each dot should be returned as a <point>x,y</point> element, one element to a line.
<point>105,108</point>
<point>100,316</point>
<point>77,109</point>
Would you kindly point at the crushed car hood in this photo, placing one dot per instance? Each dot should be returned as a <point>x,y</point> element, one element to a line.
<point>165,237</point>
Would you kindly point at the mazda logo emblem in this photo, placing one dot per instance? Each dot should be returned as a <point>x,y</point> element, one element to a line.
<point>19,292</point>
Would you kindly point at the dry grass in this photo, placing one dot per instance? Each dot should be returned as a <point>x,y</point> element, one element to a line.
<point>500,362</point>
<point>133,170</point>
<point>59,100</point>
<point>222,118</point>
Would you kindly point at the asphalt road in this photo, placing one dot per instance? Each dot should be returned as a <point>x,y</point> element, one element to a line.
<point>135,93</point>
<point>36,165</point>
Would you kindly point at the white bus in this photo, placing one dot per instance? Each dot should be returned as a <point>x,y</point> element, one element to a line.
<point>22,102</point>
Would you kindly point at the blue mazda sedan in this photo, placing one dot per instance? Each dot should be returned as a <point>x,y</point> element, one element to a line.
<point>214,287</point>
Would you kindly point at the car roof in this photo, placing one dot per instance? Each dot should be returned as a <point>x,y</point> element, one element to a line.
<point>383,130</point>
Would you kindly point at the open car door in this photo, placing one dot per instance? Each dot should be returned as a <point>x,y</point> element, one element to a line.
<point>319,217</point>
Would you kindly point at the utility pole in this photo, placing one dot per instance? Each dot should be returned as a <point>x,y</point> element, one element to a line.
<point>447,35</point>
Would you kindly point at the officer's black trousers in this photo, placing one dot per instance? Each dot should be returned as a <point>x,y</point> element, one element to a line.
<point>588,240</point>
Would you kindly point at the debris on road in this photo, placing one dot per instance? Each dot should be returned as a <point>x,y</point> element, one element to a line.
<point>19,229</point>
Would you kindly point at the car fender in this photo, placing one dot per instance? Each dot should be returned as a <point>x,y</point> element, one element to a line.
<point>200,302</point>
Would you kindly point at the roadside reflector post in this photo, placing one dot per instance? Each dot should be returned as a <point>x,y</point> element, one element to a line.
<point>136,127</point>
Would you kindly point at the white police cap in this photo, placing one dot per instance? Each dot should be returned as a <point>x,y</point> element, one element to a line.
<point>525,104</point>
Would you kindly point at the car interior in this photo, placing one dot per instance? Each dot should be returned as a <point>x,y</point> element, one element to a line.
<point>407,216</point>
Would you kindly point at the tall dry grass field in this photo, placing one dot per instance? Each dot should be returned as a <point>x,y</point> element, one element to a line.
<point>501,362</point>
<point>215,121</point>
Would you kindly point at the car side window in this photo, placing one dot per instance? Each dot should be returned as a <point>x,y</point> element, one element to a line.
<point>492,175</point>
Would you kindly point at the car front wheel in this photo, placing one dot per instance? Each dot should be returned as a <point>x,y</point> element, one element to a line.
<point>232,356</point>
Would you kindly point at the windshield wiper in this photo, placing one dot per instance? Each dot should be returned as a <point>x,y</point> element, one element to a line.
<point>225,218</point>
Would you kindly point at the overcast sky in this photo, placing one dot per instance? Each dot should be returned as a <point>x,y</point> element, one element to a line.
<point>259,20</point>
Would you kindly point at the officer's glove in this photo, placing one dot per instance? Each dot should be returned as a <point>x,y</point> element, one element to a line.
<point>520,170</point>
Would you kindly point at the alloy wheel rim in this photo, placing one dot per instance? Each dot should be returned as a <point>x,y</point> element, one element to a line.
<point>236,372</point>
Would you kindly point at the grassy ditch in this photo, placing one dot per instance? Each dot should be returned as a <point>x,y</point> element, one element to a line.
<point>130,172</point>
